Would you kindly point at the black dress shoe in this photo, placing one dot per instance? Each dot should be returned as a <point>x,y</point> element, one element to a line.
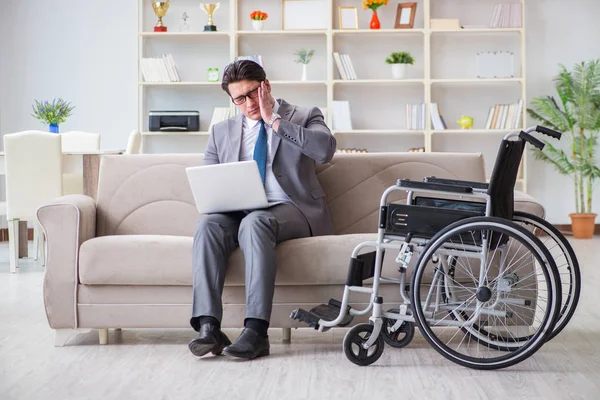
<point>249,345</point>
<point>210,340</point>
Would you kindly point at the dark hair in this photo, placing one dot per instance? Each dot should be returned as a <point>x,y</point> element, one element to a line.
<point>242,70</point>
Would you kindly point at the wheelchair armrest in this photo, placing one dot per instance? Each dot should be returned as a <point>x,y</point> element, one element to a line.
<point>474,185</point>
<point>440,187</point>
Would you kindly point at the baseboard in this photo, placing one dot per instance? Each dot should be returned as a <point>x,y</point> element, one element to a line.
<point>565,229</point>
<point>4,234</point>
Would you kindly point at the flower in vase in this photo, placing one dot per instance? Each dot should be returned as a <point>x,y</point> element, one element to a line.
<point>374,4</point>
<point>258,15</point>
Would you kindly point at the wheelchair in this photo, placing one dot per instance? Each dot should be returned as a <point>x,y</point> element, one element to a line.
<point>488,285</point>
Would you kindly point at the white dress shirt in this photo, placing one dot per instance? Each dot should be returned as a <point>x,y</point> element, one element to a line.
<point>250,129</point>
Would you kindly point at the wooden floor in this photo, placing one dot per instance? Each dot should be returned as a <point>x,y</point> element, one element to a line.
<point>156,364</point>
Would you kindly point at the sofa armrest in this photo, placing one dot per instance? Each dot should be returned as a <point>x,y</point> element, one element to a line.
<point>527,203</point>
<point>67,222</point>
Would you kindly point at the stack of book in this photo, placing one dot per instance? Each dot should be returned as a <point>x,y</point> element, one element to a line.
<point>507,16</point>
<point>220,114</point>
<point>505,116</point>
<point>437,120</point>
<point>351,151</point>
<point>341,116</point>
<point>344,66</point>
<point>159,69</point>
<point>415,116</point>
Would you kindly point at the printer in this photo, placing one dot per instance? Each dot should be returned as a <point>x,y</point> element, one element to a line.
<point>174,121</point>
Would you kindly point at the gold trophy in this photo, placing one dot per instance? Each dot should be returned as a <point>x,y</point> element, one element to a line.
<point>160,9</point>
<point>210,9</point>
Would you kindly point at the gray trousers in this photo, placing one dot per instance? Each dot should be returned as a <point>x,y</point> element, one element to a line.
<point>256,233</point>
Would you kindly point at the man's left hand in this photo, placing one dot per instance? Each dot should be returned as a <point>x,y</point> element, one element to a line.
<point>266,102</point>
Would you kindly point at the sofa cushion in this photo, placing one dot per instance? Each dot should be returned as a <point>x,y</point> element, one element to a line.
<point>526,203</point>
<point>167,260</point>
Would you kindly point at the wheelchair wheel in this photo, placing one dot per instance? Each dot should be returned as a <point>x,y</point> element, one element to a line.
<point>401,337</point>
<point>353,345</point>
<point>493,296</point>
<point>566,262</point>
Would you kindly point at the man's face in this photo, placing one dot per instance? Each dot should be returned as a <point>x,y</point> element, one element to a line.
<point>245,97</point>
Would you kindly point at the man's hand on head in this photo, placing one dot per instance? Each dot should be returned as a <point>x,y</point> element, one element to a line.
<point>266,102</point>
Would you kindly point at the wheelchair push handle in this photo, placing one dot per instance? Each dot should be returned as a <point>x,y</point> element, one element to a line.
<point>532,140</point>
<point>548,131</point>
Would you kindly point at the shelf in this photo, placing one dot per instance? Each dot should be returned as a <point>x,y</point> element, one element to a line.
<point>478,30</point>
<point>379,31</point>
<point>283,32</point>
<point>475,131</point>
<point>379,132</point>
<point>199,83</point>
<point>181,34</point>
<point>201,133</point>
<point>477,80</point>
<point>302,83</point>
<point>376,81</point>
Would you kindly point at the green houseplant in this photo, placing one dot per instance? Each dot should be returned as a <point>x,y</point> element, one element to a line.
<point>399,61</point>
<point>303,57</point>
<point>576,114</point>
<point>53,114</point>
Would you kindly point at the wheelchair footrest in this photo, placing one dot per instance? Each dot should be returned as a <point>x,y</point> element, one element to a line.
<point>327,312</point>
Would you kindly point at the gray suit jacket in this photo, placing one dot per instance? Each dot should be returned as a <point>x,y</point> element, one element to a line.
<point>302,139</point>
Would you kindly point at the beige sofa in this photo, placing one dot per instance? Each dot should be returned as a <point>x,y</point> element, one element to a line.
<point>124,261</point>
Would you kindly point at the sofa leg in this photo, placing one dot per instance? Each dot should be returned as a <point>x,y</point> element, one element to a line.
<point>286,336</point>
<point>103,336</point>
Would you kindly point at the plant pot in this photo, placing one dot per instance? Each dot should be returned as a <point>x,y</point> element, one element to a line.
<point>258,24</point>
<point>583,225</point>
<point>304,72</point>
<point>374,21</point>
<point>399,71</point>
<point>53,128</point>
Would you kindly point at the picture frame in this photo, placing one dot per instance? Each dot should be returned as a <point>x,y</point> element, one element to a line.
<point>304,14</point>
<point>405,16</point>
<point>348,17</point>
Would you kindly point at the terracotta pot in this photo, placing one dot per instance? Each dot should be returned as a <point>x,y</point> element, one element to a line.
<point>583,225</point>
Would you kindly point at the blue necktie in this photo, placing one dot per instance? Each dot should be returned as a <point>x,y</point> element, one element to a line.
<point>260,150</point>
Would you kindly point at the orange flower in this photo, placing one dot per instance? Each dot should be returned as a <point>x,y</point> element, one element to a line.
<point>258,15</point>
<point>374,4</point>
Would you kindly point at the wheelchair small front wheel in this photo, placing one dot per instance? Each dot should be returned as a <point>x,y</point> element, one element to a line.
<point>353,345</point>
<point>401,337</point>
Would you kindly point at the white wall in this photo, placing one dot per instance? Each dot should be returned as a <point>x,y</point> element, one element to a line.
<point>82,51</point>
<point>86,53</point>
<point>563,32</point>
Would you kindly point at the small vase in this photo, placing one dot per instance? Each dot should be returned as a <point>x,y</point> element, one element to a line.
<point>53,128</point>
<point>399,71</point>
<point>375,21</point>
<point>258,24</point>
<point>304,72</point>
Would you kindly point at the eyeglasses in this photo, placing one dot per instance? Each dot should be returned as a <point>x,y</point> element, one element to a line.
<point>242,99</point>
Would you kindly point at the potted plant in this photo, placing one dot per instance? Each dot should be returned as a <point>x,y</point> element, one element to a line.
<point>577,115</point>
<point>399,61</point>
<point>303,57</point>
<point>258,19</point>
<point>53,114</point>
<point>374,5</point>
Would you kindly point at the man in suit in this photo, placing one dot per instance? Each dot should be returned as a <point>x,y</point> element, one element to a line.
<point>286,141</point>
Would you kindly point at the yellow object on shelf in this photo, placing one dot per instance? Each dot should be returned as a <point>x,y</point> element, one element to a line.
<point>444,24</point>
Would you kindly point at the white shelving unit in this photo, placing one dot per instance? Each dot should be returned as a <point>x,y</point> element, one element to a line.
<point>443,72</point>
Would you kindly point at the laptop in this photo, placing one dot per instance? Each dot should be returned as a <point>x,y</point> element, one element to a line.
<point>227,187</point>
